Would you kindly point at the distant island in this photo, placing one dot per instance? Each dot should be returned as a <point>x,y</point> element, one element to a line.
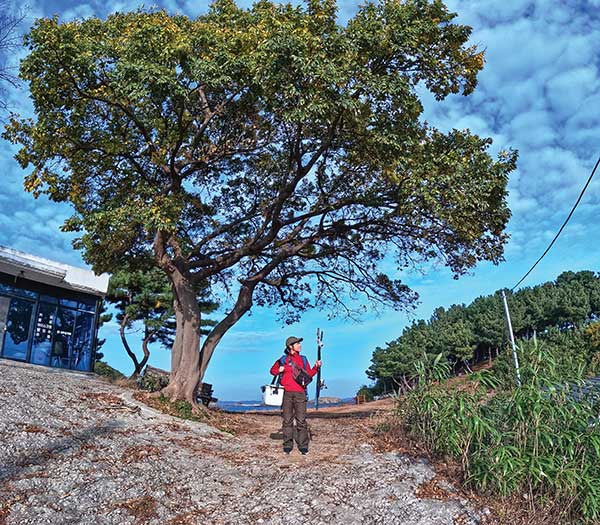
<point>329,400</point>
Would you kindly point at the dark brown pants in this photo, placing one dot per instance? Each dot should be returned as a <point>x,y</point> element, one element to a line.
<point>294,407</point>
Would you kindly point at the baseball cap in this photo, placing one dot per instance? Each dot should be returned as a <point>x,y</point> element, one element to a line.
<point>291,340</point>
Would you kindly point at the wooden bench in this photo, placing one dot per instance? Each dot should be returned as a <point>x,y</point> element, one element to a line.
<point>205,394</point>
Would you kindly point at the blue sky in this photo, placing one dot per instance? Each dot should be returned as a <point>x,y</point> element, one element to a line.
<point>539,93</point>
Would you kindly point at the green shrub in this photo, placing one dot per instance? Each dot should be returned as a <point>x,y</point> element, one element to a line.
<point>181,408</point>
<point>431,368</point>
<point>152,382</point>
<point>558,357</point>
<point>102,369</point>
<point>365,392</point>
<point>487,379</point>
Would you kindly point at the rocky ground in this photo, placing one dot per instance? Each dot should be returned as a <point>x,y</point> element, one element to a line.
<point>77,450</point>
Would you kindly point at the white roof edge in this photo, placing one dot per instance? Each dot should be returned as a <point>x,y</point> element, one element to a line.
<point>66,276</point>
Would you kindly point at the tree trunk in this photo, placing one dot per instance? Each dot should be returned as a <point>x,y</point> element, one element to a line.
<point>185,375</point>
<point>189,364</point>
<point>242,305</point>
<point>176,350</point>
<point>136,365</point>
<point>147,336</point>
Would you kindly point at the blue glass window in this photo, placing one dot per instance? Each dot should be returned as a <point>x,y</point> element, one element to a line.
<point>68,302</point>
<point>42,336</point>
<point>52,327</point>
<point>16,329</point>
<point>60,356</point>
<point>83,338</point>
<point>10,289</point>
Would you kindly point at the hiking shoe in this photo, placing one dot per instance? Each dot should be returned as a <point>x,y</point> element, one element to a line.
<point>303,451</point>
<point>287,450</point>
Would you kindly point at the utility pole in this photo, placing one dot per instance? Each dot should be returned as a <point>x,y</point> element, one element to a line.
<point>512,338</point>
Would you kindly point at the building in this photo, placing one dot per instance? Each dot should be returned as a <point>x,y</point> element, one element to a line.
<point>48,311</point>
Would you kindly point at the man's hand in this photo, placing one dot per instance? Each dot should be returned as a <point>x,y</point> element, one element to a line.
<point>281,369</point>
<point>318,364</point>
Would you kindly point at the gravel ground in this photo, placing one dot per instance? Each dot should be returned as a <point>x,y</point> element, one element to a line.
<point>77,450</point>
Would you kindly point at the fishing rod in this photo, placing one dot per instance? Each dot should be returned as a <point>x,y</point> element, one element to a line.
<point>320,384</point>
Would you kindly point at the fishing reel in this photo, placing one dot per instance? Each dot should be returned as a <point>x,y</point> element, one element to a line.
<point>322,384</point>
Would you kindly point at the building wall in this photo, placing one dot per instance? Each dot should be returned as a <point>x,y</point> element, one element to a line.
<point>47,325</point>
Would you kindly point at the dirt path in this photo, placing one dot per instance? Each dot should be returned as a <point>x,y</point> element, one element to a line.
<point>79,451</point>
<point>334,431</point>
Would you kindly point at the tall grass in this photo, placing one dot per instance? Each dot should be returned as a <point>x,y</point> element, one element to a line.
<point>536,440</point>
<point>561,358</point>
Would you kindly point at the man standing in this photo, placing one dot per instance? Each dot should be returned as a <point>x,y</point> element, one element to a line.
<point>294,393</point>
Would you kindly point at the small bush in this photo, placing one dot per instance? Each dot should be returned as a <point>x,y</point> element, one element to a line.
<point>487,379</point>
<point>181,409</point>
<point>365,393</point>
<point>104,370</point>
<point>152,382</point>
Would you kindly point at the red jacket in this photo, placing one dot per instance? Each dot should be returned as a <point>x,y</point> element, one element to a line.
<point>287,379</point>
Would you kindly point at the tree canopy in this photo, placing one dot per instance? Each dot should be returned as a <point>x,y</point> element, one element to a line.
<point>269,151</point>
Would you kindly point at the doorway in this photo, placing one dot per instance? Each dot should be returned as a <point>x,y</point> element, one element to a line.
<point>15,327</point>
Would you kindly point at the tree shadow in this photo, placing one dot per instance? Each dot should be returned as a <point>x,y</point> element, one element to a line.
<point>312,415</point>
<point>52,450</point>
<point>346,415</point>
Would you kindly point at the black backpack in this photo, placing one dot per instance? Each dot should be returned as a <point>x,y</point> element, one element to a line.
<point>300,375</point>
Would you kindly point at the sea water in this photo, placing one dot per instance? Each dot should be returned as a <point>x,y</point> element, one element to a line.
<point>245,406</point>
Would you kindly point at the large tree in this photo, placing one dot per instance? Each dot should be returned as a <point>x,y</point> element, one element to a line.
<point>271,152</point>
<point>143,298</point>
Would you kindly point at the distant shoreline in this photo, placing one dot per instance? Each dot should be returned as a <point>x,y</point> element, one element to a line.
<point>257,406</point>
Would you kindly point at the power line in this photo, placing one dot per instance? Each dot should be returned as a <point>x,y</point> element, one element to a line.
<point>562,227</point>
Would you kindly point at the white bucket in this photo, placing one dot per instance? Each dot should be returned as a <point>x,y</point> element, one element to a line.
<point>272,395</point>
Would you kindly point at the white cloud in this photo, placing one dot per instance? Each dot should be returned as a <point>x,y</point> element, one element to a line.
<point>521,205</point>
<point>532,129</point>
<point>568,90</point>
<point>77,12</point>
